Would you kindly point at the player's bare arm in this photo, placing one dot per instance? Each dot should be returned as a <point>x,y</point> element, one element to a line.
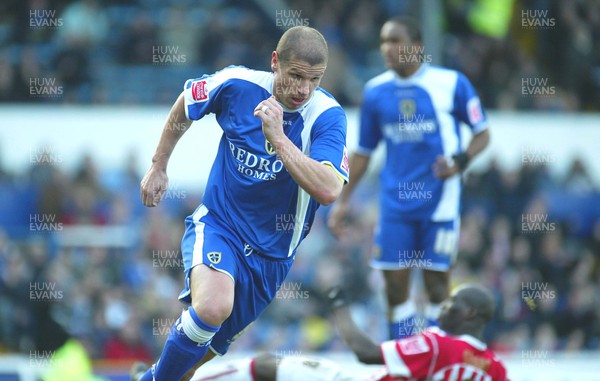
<point>358,166</point>
<point>320,181</point>
<point>155,181</point>
<point>363,346</point>
<point>443,169</point>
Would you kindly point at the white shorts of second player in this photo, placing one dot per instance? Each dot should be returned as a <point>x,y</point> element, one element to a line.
<point>300,368</point>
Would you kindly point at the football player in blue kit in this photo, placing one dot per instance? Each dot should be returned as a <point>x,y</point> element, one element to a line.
<point>416,109</point>
<point>281,155</point>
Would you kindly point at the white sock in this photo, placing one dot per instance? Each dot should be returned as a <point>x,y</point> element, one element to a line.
<point>225,371</point>
<point>432,311</point>
<point>403,311</point>
<point>299,368</point>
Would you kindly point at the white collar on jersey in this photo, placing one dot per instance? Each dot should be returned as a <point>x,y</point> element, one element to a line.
<point>471,340</point>
<point>424,66</point>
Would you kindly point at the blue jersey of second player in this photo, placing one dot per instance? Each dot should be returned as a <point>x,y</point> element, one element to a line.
<point>419,118</point>
<point>249,189</point>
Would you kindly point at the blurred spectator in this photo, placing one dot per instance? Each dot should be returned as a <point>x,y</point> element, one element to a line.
<point>106,287</point>
<point>89,43</point>
<point>138,39</point>
<point>126,344</point>
<point>546,282</point>
<point>84,24</point>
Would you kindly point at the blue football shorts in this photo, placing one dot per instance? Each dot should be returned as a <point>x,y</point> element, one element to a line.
<point>256,277</point>
<point>425,244</point>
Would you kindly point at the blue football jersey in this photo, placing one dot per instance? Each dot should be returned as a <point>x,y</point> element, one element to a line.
<point>418,118</point>
<point>249,189</point>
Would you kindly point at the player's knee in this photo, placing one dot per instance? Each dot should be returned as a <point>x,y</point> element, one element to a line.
<point>396,286</point>
<point>214,312</point>
<point>437,285</point>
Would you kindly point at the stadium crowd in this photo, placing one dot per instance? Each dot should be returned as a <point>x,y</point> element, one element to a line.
<point>132,51</point>
<point>119,298</point>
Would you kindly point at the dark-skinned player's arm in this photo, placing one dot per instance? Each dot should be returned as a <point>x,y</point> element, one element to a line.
<point>369,138</point>
<point>443,170</point>
<point>358,166</point>
<point>360,343</point>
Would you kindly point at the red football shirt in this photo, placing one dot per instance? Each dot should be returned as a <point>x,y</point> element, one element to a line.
<point>435,355</point>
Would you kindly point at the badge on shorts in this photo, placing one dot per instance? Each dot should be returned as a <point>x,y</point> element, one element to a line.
<point>376,253</point>
<point>214,257</point>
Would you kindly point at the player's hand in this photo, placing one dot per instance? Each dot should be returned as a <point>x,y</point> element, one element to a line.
<point>337,217</point>
<point>153,185</point>
<point>271,116</point>
<point>443,169</point>
<point>336,297</point>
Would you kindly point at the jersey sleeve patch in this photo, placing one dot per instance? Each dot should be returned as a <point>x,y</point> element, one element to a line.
<point>199,91</point>
<point>474,111</point>
<point>413,345</point>
<point>345,165</point>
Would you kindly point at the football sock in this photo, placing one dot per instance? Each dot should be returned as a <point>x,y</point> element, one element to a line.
<point>404,320</point>
<point>432,312</point>
<point>230,371</point>
<point>187,343</point>
<point>300,368</point>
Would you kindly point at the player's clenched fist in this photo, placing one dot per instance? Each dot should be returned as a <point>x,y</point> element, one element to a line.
<point>271,115</point>
<point>153,185</point>
<point>443,168</point>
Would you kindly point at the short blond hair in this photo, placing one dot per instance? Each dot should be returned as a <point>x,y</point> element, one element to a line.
<point>303,43</point>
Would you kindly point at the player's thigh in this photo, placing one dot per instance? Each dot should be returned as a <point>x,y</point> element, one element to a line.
<point>439,241</point>
<point>395,241</point>
<point>397,287</point>
<point>258,279</point>
<point>209,259</point>
<point>212,293</point>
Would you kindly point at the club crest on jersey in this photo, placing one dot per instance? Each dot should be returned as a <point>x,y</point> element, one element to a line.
<point>214,257</point>
<point>199,91</point>
<point>408,107</point>
<point>269,148</point>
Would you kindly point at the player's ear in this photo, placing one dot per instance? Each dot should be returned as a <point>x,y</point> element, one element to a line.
<point>471,313</point>
<point>274,61</point>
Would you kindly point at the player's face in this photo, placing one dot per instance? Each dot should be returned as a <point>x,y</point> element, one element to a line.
<point>295,81</point>
<point>453,312</point>
<point>398,50</point>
